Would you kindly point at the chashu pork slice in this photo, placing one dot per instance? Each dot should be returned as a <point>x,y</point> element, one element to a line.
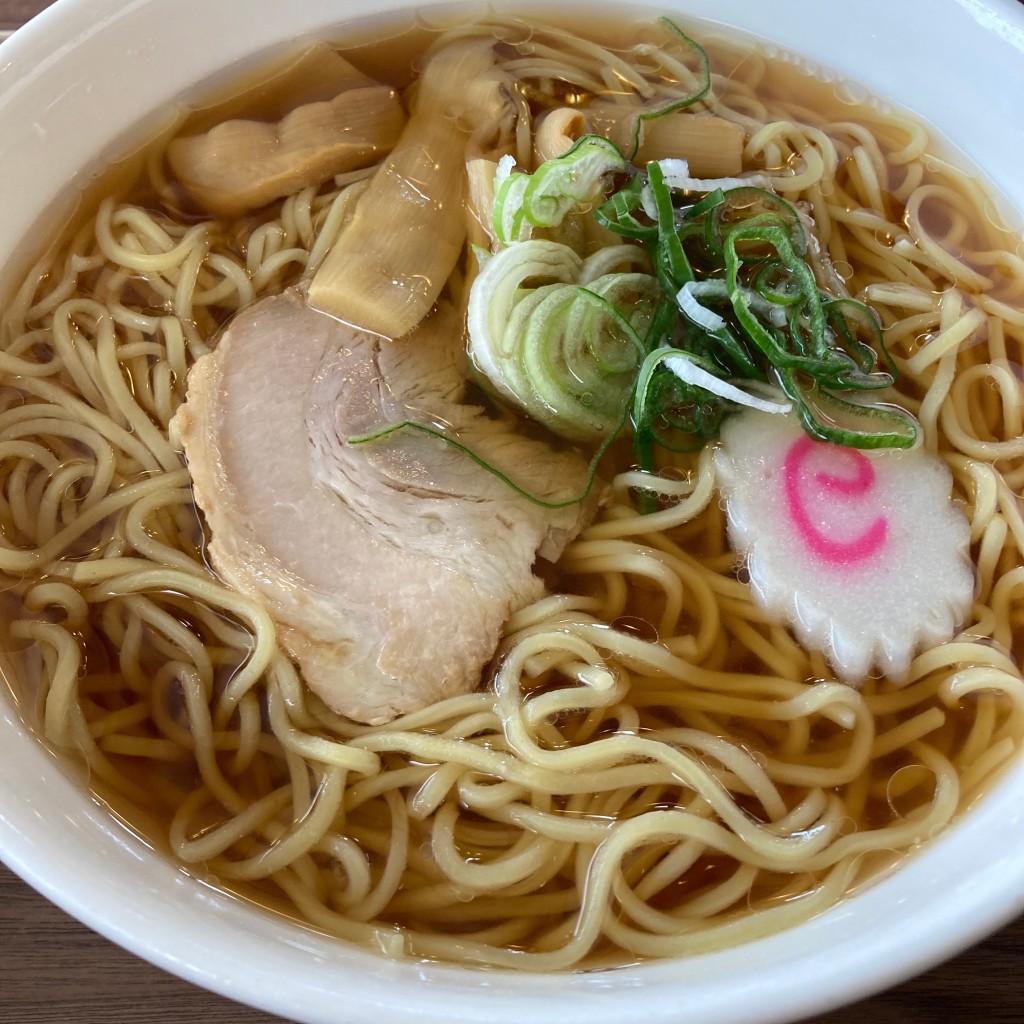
<point>389,566</point>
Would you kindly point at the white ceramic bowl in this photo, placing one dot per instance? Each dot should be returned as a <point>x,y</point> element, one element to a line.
<point>71,84</point>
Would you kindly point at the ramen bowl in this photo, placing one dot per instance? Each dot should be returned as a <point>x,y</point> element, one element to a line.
<point>82,81</point>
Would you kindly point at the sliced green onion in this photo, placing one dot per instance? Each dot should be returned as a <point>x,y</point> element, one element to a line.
<point>750,209</point>
<point>577,178</point>
<point>510,223</point>
<point>662,403</point>
<point>752,309</point>
<point>497,290</point>
<point>566,355</point>
<point>670,262</point>
<point>412,425</point>
<point>733,264</point>
<point>690,49</point>
<point>606,260</point>
<point>677,175</point>
<point>714,198</point>
<point>859,331</point>
<point>700,315</point>
<point>618,213</point>
<point>826,417</point>
<point>689,370</point>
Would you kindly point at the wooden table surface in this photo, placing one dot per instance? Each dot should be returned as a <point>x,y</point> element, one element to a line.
<point>53,969</point>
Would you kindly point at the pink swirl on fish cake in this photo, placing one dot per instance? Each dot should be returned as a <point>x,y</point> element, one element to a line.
<point>835,552</point>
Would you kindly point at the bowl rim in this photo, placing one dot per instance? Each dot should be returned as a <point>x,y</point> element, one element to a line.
<point>218,943</point>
